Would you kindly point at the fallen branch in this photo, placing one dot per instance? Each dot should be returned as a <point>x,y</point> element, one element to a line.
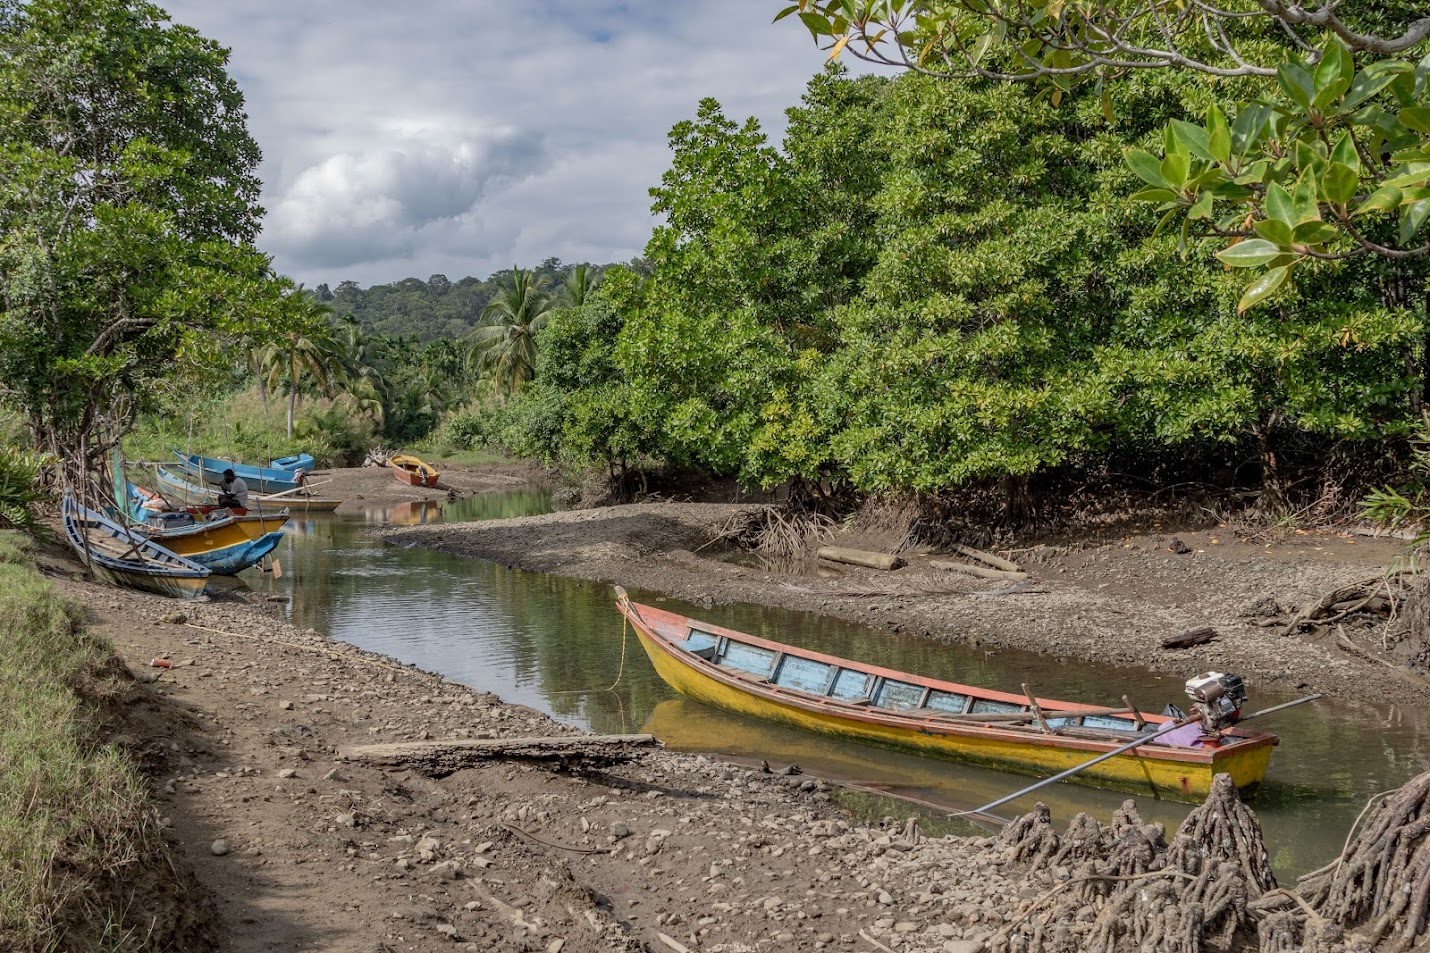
<point>1198,636</point>
<point>860,557</point>
<point>997,562</point>
<point>979,571</point>
<point>439,758</point>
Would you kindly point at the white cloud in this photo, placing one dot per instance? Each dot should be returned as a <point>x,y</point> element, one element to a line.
<point>461,136</point>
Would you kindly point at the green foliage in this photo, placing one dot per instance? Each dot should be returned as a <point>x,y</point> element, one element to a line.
<point>1321,157</point>
<point>240,426</point>
<point>127,213</point>
<point>937,282</point>
<point>438,308</point>
<point>502,347</point>
<point>73,811</point>
<point>22,490</point>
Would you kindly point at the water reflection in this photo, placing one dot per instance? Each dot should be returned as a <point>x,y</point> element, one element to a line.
<point>558,645</point>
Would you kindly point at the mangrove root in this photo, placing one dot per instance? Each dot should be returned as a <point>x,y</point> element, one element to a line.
<point>1122,887</point>
<point>1382,882</point>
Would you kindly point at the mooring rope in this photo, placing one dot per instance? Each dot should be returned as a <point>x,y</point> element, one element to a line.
<point>620,673</point>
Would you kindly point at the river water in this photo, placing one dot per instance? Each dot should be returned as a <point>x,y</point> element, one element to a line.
<point>558,645</point>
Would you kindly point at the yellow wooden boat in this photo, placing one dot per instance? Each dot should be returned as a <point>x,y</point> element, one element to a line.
<point>204,536</point>
<point>783,683</point>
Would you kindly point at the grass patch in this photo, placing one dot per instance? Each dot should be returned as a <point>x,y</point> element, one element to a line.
<point>74,812</point>
<point>242,427</point>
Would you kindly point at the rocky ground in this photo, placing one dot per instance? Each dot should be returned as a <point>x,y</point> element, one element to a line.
<point>1112,599</point>
<point>240,723</point>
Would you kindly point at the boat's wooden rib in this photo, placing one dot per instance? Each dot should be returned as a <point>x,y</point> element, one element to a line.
<point>124,558</point>
<point>780,682</point>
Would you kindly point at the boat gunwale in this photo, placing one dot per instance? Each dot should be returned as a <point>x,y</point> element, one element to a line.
<point>869,714</point>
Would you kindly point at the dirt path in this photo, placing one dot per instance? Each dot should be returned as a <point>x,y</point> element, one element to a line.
<point>1111,602</point>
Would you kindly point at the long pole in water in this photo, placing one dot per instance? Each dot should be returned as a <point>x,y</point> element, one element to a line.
<point>1120,750</point>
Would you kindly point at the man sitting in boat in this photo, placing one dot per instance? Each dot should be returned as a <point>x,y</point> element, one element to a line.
<point>233,491</point>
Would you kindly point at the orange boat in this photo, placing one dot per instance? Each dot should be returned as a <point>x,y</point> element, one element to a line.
<point>863,702</point>
<point>412,471</point>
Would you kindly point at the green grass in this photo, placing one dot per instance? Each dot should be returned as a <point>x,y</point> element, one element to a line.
<point>74,813</point>
<point>466,457</point>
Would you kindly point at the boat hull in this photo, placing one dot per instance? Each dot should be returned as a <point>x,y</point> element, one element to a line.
<point>175,587</point>
<point>413,472</point>
<point>121,557</point>
<point>302,461</point>
<point>231,560</point>
<point>1176,773</point>
<point>208,470</point>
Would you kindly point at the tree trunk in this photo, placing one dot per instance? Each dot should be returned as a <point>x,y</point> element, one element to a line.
<point>292,402</point>
<point>1273,490</point>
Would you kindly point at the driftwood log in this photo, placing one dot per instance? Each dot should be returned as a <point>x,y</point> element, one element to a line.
<point>997,562</point>
<point>860,557</point>
<point>1198,636</point>
<point>982,572</point>
<point>440,758</point>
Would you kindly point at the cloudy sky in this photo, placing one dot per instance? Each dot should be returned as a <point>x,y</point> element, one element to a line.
<point>463,136</point>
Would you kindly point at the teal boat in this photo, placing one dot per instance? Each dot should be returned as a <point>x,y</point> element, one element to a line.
<point>259,479</point>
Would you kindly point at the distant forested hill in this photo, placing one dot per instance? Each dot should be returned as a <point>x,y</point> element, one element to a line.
<point>428,310</point>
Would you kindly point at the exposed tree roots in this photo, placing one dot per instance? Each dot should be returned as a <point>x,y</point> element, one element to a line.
<point>770,531</point>
<point>1382,882</point>
<point>1122,887</point>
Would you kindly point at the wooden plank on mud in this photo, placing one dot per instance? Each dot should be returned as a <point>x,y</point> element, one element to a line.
<point>444,757</point>
<point>982,572</point>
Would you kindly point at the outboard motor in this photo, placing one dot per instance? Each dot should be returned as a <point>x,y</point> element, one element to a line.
<point>1219,697</point>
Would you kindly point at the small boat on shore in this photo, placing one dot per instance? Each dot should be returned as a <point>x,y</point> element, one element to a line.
<point>412,471</point>
<point>184,490</point>
<point>124,558</point>
<point>209,470</point>
<point>863,702</point>
<point>302,461</point>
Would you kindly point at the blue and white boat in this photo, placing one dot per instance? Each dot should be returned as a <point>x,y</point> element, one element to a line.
<point>303,461</point>
<point>259,479</point>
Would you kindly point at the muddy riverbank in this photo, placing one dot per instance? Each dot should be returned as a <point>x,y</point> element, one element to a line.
<point>1112,600</point>
<point>302,849</point>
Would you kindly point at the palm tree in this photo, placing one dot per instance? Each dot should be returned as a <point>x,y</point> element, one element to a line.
<point>503,343</point>
<point>579,284</point>
<point>308,349</point>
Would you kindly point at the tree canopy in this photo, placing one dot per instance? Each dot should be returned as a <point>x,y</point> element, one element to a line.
<point>128,206</point>
<point>1318,150</point>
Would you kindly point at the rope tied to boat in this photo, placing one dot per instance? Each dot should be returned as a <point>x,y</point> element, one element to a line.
<point>620,673</point>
